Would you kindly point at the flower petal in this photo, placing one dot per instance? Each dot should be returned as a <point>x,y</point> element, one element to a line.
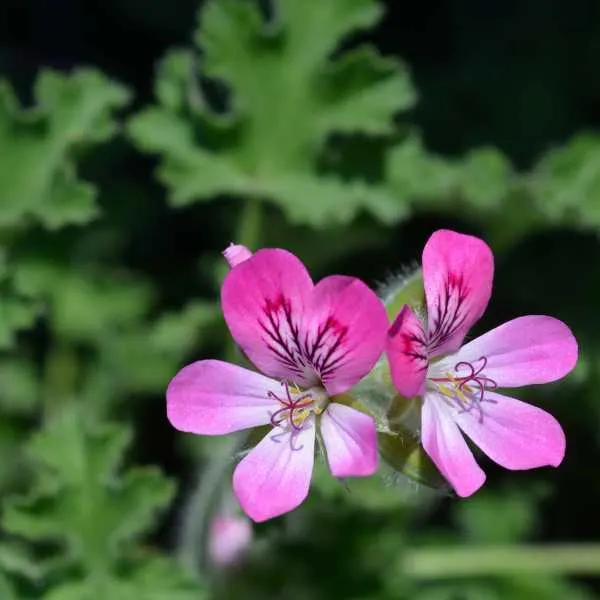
<point>350,439</point>
<point>343,331</point>
<point>445,445</point>
<point>275,476</point>
<point>514,434</point>
<point>263,299</point>
<point>407,353</point>
<point>211,397</point>
<point>524,351</point>
<point>457,272</point>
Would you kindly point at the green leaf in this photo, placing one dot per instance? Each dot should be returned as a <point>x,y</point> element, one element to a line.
<point>515,516</point>
<point>37,174</point>
<point>16,559</point>
<point>156,579</point>
<point>20,387</point>
<point>145,357</point>
<point>287,99</point>
<point>480,180</point>
<point>7,591</point>
<point>16,313</point>
<point>566,183</point>
<point>79,501</point>
<point>84,304</point>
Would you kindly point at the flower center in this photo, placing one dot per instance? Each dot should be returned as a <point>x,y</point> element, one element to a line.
<point>296,405</point>
<point>465,387</point>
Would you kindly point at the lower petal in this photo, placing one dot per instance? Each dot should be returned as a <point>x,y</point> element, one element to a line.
<point>445,445</point>
<point>350,438</point>
<point>275,476</point>
<point>514,434</point>
<point>211,397</point>
<point>407,354</point>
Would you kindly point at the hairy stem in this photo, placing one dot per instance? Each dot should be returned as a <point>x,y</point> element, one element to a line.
<point>208,491</point>
<point>59,379</point>
<point>573,559</point>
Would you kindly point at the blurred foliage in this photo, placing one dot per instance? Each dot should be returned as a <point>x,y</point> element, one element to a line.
<point>296,124</point>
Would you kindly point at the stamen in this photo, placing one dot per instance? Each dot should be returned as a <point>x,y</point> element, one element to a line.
<point>467,391</point>
<point>291,416</point>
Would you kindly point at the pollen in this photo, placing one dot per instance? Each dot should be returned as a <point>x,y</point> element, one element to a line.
<point>296,406</point>
<point>455,389</point>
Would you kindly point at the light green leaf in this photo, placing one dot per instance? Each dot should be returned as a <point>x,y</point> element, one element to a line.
<point>156,579</point>
<point>514,512</point>
<point>480,180</point>
<point>15,314</point>
<point>20,387</point>
<point>145,357</point>
<point>7,591</point>
<point>37,174</point>
<point>80,502</point>
<point>566,183</point>
<point>16,559</point>
<point>84,304</point>
<point>288,97</point>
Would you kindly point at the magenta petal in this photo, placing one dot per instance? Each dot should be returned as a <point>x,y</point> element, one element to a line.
<point>457,272</point>
<point>407,353</point>
<point>210,397</point>
<point>263,299</point>
<point>350,440</point>
<point>524,351</point>
<point>445,445</point>
<point>514,434</point>
<point>275,476</point>
<point>343,331</point>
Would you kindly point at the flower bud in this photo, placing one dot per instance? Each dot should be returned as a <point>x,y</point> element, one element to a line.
<point>235,254</point>
<point>229,538</point>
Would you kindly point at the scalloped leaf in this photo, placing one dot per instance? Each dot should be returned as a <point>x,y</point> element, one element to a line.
<point>80,502</point>
<point>37,174</point>
<point>287,98</point>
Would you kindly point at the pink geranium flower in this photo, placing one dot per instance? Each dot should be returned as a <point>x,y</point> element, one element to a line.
<point>458,383</point>
<point>312,342</point>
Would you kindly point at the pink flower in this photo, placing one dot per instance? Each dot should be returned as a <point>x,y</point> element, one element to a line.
<point>312,342</point>
<point>229,537</point>
<point>458,383</point>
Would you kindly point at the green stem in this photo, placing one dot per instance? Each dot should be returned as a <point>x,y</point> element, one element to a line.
<point>248,233</point>
<point>200,504</point>
<point>452,563</point>
<point>60,377</point>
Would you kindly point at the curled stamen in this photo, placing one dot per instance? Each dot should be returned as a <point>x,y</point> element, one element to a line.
<point>291,415</point>
<point>474,378</point>
<point>293,437</point>
<point>468,391</point>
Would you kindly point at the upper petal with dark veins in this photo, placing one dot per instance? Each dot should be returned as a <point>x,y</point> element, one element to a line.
<point>457,272</point>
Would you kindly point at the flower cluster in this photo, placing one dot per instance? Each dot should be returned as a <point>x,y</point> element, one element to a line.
<point>312,343</point>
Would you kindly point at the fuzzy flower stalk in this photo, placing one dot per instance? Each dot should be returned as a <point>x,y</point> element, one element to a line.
<point>311,343</point>
<point>458,383</point>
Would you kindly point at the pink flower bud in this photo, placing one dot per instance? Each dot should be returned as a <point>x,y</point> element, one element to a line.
<point>229,538</point>
<point>235,254</point>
